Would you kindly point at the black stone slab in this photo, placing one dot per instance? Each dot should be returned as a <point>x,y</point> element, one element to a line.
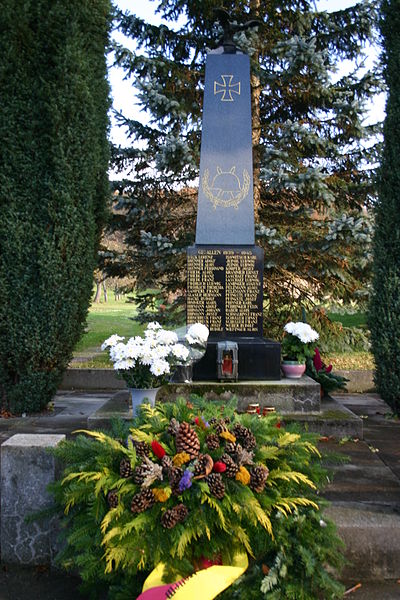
<point>225,289</point>
<point>258,360</point>
<point>225,212</point>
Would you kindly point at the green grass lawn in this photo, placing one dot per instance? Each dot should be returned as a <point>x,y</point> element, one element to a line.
<point>357,320</point>
<point>106,318</point>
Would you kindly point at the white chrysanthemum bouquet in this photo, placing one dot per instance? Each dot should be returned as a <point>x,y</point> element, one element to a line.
<point>147,362</point>
<point>299,341</point>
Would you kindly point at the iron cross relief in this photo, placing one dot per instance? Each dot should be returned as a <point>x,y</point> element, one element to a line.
<point>227,88</point>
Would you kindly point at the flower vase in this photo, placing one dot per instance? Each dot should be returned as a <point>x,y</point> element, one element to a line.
<point>140,396</point>
<point>293,369</point>
<point>183,374</point>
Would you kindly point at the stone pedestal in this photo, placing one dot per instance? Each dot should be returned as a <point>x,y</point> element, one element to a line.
<point>27,468</point>
<point>259,359</point>
<point>296,400</point>
<point>286,396</point>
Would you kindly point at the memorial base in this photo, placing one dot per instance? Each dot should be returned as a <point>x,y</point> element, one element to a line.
<point>258,360</point>
<point>297,400</point>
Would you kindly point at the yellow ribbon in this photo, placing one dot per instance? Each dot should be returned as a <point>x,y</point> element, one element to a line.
<point>205,584</point>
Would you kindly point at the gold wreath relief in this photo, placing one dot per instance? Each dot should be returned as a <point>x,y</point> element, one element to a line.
<point>225,189</point>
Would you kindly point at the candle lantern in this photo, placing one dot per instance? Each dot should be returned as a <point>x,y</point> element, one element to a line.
<point>227,360</point>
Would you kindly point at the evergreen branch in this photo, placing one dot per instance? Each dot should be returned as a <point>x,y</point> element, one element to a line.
<point>287,438</point>
<point>288,505</point>
<point>111,515</point>
<point>295,476</point>
<point>266,453</point>
<point>205,498</point>
<point>104,439</point>
<point>141,436</point>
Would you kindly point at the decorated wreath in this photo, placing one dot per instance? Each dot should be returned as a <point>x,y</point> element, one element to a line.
<point>189,486</point>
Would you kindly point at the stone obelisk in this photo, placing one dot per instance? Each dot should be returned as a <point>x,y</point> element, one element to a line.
<point>225,268</point>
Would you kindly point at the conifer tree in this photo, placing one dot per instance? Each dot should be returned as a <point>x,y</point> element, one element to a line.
<point>53,186</point>
<point>312,173</point>
<point>385,301</point>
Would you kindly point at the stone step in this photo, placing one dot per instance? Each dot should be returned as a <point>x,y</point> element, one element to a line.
<point>285,395</point>
<point>333,420</point>
<point>372,541</point>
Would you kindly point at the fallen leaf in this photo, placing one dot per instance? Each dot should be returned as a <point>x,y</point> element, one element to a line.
<point>352,589</point>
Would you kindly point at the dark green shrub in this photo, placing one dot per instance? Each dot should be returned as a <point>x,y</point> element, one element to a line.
<point>53,186</point>
<point>384,317</point>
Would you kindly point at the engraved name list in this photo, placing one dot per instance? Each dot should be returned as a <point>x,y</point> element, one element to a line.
<point>225,289</point>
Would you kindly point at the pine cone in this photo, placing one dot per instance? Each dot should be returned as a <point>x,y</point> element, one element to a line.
<point>182,511</point>
<point>213,420</point>
<point>175,475</point>
<point>173,426</point>
<point>125,469</point>
<point>258,478</point>
<point>139,474</point>
<point>212,441</point>
<point>112,499</point>
<point>230,447</point>
<point>220,426</point>
<point>142,501</point>
<point>174,515</point>
<point>216,485</point>
<point>142,449</point>
<point>167,464</point>
<point>231,467</point>
<point>246,437</point>
<point>187,441</point>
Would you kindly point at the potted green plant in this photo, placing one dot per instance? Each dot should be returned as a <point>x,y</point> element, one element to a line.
<point>298,345</point>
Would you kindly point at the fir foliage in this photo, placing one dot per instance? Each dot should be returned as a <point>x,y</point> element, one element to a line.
<point>312,156</point>
<point>54,186</point>
<point>111,546</point>
<point>384,318</point>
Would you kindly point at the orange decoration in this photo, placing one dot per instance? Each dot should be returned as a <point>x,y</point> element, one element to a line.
<point>243,476</point>
<point>227,435</point>
<point>180,459</point>
<point>161,494</point>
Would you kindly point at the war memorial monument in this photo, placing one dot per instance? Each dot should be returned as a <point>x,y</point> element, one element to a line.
<point>225,267</point>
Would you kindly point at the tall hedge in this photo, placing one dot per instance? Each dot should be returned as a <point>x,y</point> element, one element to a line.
<point>54,98</point>
<point>385,304</point>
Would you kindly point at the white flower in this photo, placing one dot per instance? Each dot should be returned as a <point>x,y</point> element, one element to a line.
<point>161,351</point>
<point>124,365</point>
<point>166,337</point>
<point>117,352</point>
<point>148,353</point>
<point>153,326</point>
<point>180,351</point>
<point>197,334</point>
<point>111,341</point>
<point>133,348</point>
<point>159,367</point>
<point>303,331</point>
<point>290,327</point>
